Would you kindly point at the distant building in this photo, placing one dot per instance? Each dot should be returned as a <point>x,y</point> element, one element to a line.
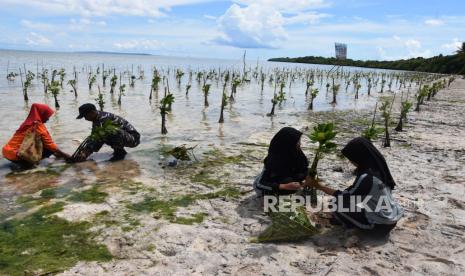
<point>341,51</point>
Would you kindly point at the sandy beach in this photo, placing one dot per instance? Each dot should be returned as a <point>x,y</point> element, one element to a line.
<point>427,160</point>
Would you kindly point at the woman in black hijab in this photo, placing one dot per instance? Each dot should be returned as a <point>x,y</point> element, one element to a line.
<point>286,166</point>
<point>374,179</point>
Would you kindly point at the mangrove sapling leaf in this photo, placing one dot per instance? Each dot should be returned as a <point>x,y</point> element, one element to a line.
<point>287,226</point>
<point>404,109</point>
<point>165,102</point>
<point>322,134</point>
<point>99,133</point>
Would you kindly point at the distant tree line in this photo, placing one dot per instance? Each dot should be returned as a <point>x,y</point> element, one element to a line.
<point>451,64</point>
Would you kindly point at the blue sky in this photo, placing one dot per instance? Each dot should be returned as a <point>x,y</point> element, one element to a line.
<point>223,29</point>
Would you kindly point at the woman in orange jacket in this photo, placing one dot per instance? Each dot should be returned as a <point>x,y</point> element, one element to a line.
<point>38,116</point>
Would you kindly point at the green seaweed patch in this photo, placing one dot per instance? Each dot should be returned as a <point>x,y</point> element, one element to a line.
<point>42,243</point>
<point>218,158</point>
<point>193,219</point>
<point>48,193</point>
<point>203,177</point>
<point>92,195</point>
<point>103,217</point>
<point>167,209</point>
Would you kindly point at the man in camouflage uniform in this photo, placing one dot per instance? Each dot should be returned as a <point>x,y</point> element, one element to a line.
<point>123,134</point>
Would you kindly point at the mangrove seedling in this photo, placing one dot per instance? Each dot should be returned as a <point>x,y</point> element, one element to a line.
<point>165,102</point>
<point>235,82</point>
<point>385,109</point>
<point>421,94</point>
<point>55,90</point>
<point>404,109</point>
<point>113,82</point>
<point>357,88</point>
<point>44,79</point>
<point>309,86</point>
<point>371,133</point>
<point>206,90</point>
<point>335,89</point>
<point>29,77</point>
<point>323,134</point>
<point>369,86</point>
<point>224,98</point>
<point>179,75</point>
<point>62,75</point>
<point>72,83</point>
<point>155,81</point>
<point>100,100</point>
<point>188,87</point>
<point>121,93</point>
<point>91,79</point>
<point>313,94</point>
<point>274,101</point>
<point>132,81</point>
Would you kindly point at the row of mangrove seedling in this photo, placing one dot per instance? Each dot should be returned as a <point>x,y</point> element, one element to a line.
<point>278,80</point>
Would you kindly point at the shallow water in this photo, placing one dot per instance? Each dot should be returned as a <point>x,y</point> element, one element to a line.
<point>189,121</point>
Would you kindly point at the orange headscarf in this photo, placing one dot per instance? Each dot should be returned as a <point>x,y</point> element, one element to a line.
<point>38,113</point>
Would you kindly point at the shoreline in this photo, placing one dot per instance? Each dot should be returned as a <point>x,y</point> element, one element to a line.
<point>427,240</point>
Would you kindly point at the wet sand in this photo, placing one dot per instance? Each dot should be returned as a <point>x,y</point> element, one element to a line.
<point>427,160</point>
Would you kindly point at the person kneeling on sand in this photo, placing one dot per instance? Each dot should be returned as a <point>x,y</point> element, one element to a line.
<point>285,167</point>
<point>374,180</point>
<point>35,121</point>
<point>107,128</point>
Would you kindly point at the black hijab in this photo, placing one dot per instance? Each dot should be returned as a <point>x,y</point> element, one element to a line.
<point>362,152</point>
<point>284,158</point>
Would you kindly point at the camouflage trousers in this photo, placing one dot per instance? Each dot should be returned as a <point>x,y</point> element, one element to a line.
<point>116,141</point>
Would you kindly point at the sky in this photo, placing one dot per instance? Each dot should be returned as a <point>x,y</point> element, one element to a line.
<point>373,29</point>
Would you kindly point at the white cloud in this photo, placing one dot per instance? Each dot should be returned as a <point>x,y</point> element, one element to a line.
<point>287,6</point>
<point>36,25</point>
<point>453,46</point>
<point>261,23</point>
<point>207,16</point>
<point>35,39</point>
<point>253,26</point>
<point>411,46</point>
<point>84,22</point>
<point>305,18</point>
<point>144,44</point>
<point>154,8</point>
<point>434,22</point>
